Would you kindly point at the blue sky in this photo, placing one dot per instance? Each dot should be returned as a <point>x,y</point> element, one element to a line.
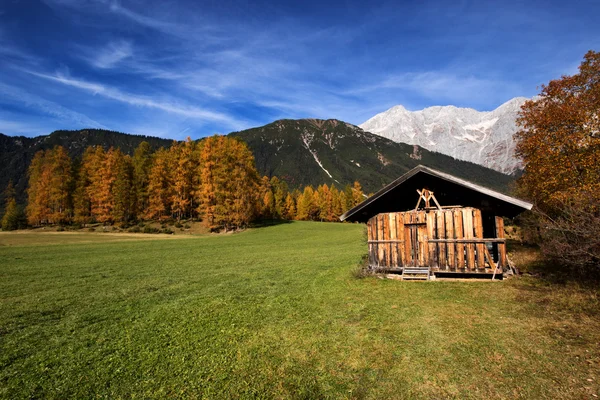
<point>194,68</point>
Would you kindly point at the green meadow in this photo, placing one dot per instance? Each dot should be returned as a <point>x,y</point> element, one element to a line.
<point>276,312</point>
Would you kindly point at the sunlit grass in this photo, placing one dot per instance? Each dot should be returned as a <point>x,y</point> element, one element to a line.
<point>277,312</point>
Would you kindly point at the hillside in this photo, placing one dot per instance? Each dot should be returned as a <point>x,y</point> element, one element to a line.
<point>302,152</point>
<point>334,152</point>
<point>16,152</point>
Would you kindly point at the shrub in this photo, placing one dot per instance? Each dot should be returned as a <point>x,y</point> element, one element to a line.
<point>60,229</point>
<point>150,229</point>
<point>362,269</point>
<point>135,229</point>
<point>167,231</point>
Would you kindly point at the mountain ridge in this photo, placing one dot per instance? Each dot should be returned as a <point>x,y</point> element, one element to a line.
<point>482,137</point>
<point>301,152</point>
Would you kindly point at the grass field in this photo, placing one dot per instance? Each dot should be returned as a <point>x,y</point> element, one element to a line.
<point>276,312</point>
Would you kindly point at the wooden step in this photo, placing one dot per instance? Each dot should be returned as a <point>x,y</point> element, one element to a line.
<point>416,273</point>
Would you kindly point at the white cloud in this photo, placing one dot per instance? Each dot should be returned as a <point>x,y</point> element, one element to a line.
<point>143,101</point>
<point>18,95</point>
<point>113,54</point>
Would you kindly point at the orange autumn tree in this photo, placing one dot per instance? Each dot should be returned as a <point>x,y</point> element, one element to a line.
<point>185,178</point>
<point>61,177</point>
<point>559,143</point>
<point>142,163</point>
<point>160,187</point>
<point>228,193</point>
<point>49,188</point>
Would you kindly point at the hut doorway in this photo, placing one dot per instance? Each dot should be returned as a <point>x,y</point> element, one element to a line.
<point>415,233</point>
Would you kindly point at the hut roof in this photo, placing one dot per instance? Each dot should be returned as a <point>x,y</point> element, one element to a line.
<point>401,195</point>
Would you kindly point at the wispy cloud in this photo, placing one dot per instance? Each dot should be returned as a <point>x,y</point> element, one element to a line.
<point>143,101</point>
<point>112,54</point>
<point>18,95</point>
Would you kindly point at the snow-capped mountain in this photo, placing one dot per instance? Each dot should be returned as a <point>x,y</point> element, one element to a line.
<point>484,138</point>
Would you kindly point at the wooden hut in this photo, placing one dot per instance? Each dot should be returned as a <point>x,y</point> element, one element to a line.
<point>429,223</point>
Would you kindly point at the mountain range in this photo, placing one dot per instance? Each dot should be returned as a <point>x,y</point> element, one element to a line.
<point>484,138</point>
<point>302,152</point>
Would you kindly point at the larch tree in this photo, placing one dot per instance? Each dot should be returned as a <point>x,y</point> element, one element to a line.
<point>160,187</point>
<point>229,183</point>
<point>289,210</point>
<point>60,185</point>
<point>82,204</point>
<point>559,143</point>
<point>306,208</point>
<point>185,161</point>
<point>103,200</point>
<point>357,194</point>
<point>13,217</point>
<point>123,190</point>
<point>38,190</point>
<point>142,163</point>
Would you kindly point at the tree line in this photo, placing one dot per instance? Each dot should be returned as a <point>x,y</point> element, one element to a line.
<point>214,180</point>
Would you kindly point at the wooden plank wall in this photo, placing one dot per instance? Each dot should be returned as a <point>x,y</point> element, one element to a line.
<point>448,240</point>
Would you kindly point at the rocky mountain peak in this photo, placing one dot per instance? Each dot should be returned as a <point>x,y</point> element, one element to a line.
<point>481,137</point>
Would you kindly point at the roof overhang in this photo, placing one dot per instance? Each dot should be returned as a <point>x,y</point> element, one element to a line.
<point>401,193</point>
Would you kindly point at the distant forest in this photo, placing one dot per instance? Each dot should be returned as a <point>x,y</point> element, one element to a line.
<point>214,180</point>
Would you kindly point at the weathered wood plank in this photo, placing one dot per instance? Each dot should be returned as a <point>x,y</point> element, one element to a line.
<point>467,215</point>
<point>401,239</point>
<point>450,246</point>
<point>379,237</point>
<point>458,232</point>
<point>441,234</point>
<point>478,222</point>
<point>473,240</point>
<point>393,236</point>
<point>408,256</point>
<point>502,262</point>
<point>422,241</point>
<point>370,239</point>
<point>431,247</point>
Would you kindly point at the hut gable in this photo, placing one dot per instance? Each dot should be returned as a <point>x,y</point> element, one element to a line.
<point>401,195</point>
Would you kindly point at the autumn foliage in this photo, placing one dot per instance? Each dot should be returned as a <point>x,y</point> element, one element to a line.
<point>213,180</point>
<point>559,143</point>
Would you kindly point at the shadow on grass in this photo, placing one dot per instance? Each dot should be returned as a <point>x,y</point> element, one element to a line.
<point>269,222</point>
<point>530,261</point>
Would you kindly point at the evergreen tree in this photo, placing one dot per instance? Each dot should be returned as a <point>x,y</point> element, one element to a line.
<point>13,217</point>
<point>280,193</point>
<point>348,198</point>
<point>357,194</point>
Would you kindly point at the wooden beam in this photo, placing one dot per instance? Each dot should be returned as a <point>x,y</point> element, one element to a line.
<point>449,221</point>
<point>472,240</point>
<point>460,248</point>
<point>502,246</point>
<point>467,215</point>
<point>478,224</point>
